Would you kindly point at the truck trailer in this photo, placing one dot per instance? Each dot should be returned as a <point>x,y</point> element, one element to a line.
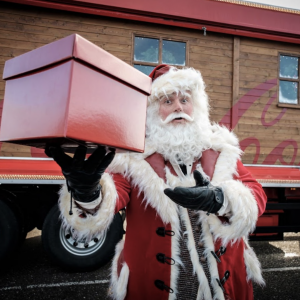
<point>248,55</point>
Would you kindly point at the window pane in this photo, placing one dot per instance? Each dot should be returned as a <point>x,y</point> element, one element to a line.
<point>288,92</point>
<point>173,53</point>
<point>144,69</point>
<point>146,49</point>
<point>288,67</point>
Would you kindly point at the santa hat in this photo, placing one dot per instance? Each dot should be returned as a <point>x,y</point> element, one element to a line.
<point>167,80</point>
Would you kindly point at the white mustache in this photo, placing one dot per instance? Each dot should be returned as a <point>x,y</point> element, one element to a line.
<point>175,115</point>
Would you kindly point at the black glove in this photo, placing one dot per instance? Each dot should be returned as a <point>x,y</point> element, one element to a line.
<point>203,196</point>
<point>82,175</point>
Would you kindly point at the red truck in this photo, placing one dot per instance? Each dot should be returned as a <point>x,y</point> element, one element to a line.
<point>249,57</point>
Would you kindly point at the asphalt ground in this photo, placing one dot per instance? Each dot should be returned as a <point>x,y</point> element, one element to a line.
<point>33,276</point>
<point>280,263</point>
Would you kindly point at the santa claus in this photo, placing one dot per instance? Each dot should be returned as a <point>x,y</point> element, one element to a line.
<point>190,202</point>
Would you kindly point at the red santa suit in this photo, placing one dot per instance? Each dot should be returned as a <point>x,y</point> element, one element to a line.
<point>147,263</point>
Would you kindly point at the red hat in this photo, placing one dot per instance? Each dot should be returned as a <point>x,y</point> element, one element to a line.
<point>159,70</point>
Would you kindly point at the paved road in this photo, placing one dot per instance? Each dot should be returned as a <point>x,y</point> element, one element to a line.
<point>281,268</point>
<point>33,276</point>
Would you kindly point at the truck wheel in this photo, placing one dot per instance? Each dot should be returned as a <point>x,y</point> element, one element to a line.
<point>76,255</point>
<point>9,234</point>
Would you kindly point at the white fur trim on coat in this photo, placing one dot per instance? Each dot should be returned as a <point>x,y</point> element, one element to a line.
<point>118,284</point>
<point>92,225</point>
<point>240,200</point>
<point>253,267</point>
<point>145,178</point>
<point>244,213</point>
<point>207,240</point>
<point>243,204</point>
<point>204,290</point>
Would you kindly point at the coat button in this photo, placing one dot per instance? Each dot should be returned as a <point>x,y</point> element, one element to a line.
<point>161,231</point>
<point>160,257</point>
<point>161,285</point>
<point>197,229</point>
<point>164,259</point>
<point>202,258</point>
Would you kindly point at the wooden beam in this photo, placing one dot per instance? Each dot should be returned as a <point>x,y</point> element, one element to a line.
<point>235,81</point>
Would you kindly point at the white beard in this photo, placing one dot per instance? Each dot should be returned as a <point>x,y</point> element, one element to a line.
<point>178,143</point>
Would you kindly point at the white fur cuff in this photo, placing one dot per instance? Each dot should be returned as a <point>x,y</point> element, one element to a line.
<point>243,213</point>
<point>91,205</point>
<point>91,225</point>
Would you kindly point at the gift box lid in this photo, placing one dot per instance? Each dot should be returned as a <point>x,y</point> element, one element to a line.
<point>76,47</point>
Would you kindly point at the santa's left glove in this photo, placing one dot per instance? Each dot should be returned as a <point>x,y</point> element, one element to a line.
<point>82,175</point>
<point>203,196</point>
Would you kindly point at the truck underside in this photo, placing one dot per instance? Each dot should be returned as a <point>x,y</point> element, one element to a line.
<point>29,195</point>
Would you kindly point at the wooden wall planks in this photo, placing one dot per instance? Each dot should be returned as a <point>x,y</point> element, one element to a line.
<point>276,129</point>
<point>232,67</point>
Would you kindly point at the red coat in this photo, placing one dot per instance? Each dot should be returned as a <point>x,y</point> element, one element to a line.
<point>137,182</point>
<point>142,242</point>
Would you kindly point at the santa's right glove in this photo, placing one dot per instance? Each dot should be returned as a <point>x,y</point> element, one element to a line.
<point>203,196</point>
<point>82,175</point>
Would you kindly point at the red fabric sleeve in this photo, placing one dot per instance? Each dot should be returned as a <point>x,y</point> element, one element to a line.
<point>123,189</point>
<point>247,179</point>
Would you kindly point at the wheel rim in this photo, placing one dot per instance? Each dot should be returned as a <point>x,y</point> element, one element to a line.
<point>80,247</point>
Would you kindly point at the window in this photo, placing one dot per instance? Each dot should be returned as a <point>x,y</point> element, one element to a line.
<point>288,81</point>
<point>150,52</point>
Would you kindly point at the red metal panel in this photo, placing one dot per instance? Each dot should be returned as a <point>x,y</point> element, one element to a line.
<point>49,167</point>
<point>267,220</point>
<point>274,173</point>
<point>210,11</point>
<point>29,167</point>
<point>216,16</point>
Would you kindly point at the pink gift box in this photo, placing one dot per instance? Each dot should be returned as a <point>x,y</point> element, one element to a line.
<point>72,92</point>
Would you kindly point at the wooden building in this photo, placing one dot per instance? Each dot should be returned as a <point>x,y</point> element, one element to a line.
<point>248,55</point>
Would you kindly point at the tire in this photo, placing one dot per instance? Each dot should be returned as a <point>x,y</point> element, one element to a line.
<point>9,234</point>
<point>59,244</point>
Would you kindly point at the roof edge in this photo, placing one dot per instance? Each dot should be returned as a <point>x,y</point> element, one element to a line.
<point>91,7</point>
<point>264,6</point>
